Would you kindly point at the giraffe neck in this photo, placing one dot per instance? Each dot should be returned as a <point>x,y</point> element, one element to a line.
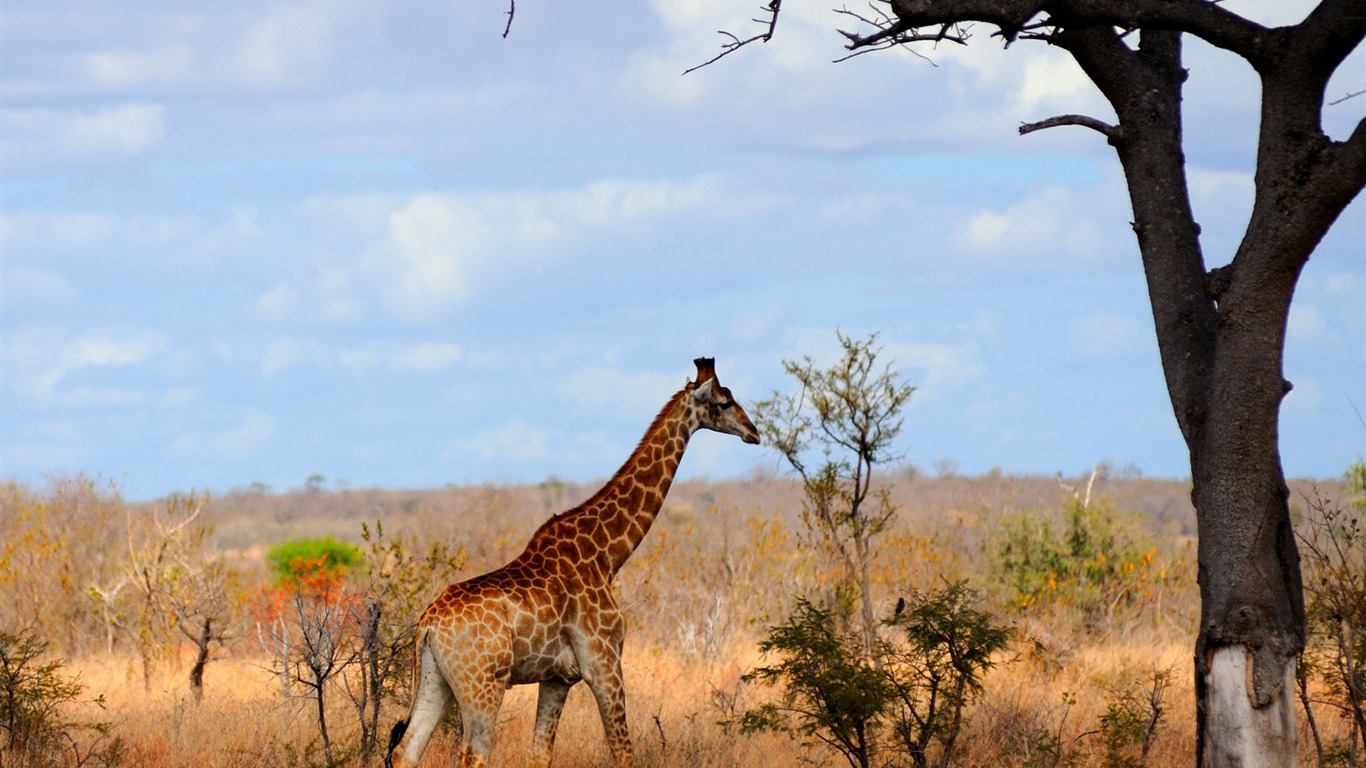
<point>607,528</point>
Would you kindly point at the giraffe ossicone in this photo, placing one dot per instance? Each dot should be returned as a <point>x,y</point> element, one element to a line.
<point>549,616</point>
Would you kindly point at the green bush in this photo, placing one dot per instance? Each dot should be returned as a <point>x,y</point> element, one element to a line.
<point>1096,559</point>
<point>935,666</point>
<point>830,693</point>
<point>1133,714</point>
<point>294,559</point>
<point>33,692</point>
<point>911,697</point>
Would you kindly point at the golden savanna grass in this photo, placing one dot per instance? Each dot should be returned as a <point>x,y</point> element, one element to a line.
<point>676,706</point>
<point>724,562</point>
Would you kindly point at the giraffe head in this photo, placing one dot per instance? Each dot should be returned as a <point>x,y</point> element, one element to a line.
<point>714,406</point>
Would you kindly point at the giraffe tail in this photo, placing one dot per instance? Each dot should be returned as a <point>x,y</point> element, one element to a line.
<point>401,727</point>
<point>395,736</point>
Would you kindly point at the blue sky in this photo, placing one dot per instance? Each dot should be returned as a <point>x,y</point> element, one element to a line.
<point>252,242</point>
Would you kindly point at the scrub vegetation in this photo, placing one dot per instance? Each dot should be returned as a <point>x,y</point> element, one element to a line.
<point>1028,621</point>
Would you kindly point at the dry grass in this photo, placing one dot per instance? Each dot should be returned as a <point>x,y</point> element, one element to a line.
<point>722,563</point>
<point>676,705</point>
<point>675,708</point>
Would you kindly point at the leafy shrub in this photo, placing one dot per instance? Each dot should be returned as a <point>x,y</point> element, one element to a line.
<point>1096,560</point>
<point>1133,713</point>
<point>935,667</point>
<point>911,696</point>
<point>830,692</point>
<point>33,692</point>
<point>297,559</point>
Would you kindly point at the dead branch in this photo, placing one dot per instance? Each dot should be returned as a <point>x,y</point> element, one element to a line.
<point>887,35</point>
<point>1113,133</point>
<point>1351,95</point>
<point>897,34</point>
<point>512,11</point>
<point>736,43</point>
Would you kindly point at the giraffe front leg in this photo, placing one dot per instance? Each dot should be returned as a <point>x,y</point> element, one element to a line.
<point>604,678</point>
<point>549,704</point>
<point>610,693</point>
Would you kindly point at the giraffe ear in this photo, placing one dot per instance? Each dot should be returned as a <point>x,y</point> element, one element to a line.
<point>703,391</point>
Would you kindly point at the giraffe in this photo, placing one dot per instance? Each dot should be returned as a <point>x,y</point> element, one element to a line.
<point>549,616</point>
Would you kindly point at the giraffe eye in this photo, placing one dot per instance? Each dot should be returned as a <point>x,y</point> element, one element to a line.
<point>726,405</point>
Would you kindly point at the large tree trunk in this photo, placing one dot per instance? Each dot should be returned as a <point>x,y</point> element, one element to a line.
<point>1221,336</point>
<point>1252,604</point>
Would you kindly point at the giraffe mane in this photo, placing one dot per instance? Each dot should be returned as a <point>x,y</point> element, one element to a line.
<point>597,495</point>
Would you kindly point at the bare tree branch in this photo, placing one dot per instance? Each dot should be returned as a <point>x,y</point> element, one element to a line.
<point>895,33</point>
<point>1207,20</point>
<point>735,44</point>
<point>512,11</point>
<point>1113,133</point>
<point>1350,95</point>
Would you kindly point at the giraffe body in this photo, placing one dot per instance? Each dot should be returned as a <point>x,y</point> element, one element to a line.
<point>549,616</point>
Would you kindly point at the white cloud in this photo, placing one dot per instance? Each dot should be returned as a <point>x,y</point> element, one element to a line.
<point>1305,324</point>
<point>632,396</point>
<point>444,250</point>
<point>1046,222</point>
<point>434,243</point>
<point>1345,289</point>
<point>512,441</point>
<point>34,138</point>
<point>1052,82</point>
<point>33,234</point>
<point>276,304</point>
<point>37,360</point>
<point>127,69</point>
<point>27,230</point>
<point>1103,335</point>
<point>937,370</point>
<point>278,355</point>
<point>290,43</point>
<point>1211,186</point>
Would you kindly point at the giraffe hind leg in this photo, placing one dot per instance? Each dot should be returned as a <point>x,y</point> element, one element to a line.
<point>479,715</point>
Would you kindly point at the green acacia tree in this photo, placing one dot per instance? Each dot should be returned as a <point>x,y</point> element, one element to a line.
<point>829,694</point>
<point>944,645</point>
<point>840,424</point>
<point>302,558</point>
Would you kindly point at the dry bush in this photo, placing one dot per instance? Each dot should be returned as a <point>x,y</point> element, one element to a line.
<point>62,562</point>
